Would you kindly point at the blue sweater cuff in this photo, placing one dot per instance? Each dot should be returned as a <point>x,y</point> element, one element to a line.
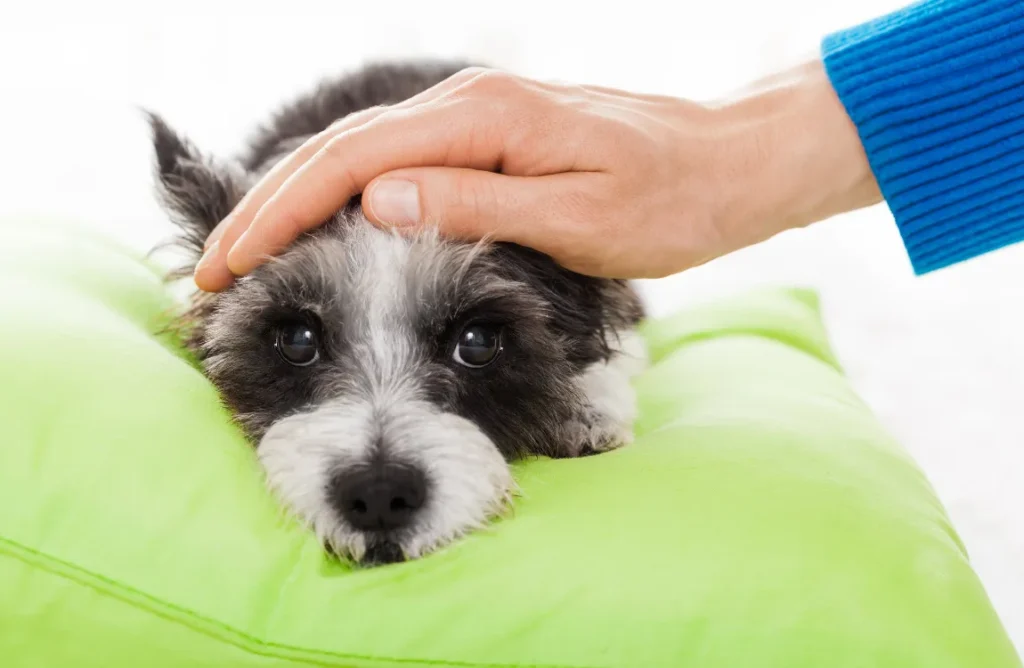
<point>936,91</point>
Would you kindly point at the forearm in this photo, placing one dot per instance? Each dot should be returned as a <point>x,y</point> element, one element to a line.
<point>799,160</point>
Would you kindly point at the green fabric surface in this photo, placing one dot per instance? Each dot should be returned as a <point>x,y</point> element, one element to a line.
<point>762,518</point>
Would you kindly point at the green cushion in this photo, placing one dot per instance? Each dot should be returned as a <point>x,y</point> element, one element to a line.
<point>762,518</point>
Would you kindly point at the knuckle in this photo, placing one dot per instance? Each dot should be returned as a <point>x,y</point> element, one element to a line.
<point>494,82</point>
<point>467,74</point>
<point>355,118</point>
<point>502,98</point>
<point>290,229</point>
<point>334,149</point>
<point>477,197</point>
<point>334,153</point>
<point>338,125</point>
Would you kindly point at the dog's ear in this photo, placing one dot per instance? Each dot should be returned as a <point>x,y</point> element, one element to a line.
<point>196,191</point>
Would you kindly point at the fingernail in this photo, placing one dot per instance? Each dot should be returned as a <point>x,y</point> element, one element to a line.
<point>396,202</point>
<point>208,256</point>
<point>235,257</point>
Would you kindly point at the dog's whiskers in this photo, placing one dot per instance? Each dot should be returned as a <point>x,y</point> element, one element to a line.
<point>388,379</point>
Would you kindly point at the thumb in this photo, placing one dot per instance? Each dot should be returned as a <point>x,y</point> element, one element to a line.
<point>472,204</point>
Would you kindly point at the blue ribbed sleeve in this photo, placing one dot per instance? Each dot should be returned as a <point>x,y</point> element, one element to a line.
<point>936,91</point>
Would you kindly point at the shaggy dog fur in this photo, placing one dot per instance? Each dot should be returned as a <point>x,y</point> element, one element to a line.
<point>387,380</point>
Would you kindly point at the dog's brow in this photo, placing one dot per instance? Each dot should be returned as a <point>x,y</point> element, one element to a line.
<point>380,394</point>
<point>473,254</point>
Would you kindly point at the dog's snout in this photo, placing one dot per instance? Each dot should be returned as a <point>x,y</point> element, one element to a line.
<point>379,498</point>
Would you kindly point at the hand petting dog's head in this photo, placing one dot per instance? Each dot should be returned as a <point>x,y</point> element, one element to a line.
<point>386,379</point>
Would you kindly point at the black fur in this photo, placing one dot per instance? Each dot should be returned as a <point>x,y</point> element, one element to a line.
<point>392,348</point>
<point>374,85</point>
<point>196,191</point>
<point>200,191</point>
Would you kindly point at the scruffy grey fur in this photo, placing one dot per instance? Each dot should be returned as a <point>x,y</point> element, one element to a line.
<point>345,358</point>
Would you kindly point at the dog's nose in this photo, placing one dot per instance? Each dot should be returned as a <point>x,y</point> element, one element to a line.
<point>379,498</point>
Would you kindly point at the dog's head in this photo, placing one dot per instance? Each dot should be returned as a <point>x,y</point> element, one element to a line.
<point>387,380</point>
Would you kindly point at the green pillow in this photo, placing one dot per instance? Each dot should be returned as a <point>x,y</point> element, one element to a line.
<point>762,518</point>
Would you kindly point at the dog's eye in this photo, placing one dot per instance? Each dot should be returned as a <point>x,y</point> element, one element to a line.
<point>478,345</point>
<point>297,344</point>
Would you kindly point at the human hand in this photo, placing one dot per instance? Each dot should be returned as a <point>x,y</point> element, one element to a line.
<point>606,182</point>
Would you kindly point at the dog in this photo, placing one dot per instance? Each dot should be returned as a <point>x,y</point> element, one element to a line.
<point>386,381</point>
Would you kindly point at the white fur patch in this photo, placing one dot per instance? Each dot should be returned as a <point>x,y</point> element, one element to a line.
<point>469,480</point>
<point>299,454</point>
<point>379,408</point>
<point>607,389</point>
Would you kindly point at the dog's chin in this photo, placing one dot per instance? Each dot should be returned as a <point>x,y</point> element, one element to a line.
<point>378,552</point>
<point>381,552</point>
<point>371,551</point>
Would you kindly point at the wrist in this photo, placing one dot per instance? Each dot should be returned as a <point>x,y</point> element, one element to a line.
<point>799,158</point>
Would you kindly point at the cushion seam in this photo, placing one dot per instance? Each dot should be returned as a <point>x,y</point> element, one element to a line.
<point>794,342</point>
<point>221,631</point>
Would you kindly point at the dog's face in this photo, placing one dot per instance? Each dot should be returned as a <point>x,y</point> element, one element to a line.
<point>388,380</point>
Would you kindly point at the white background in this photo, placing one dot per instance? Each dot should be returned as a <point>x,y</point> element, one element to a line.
<point>939,357</point>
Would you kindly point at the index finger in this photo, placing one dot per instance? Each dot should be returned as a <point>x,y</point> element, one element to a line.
<point>212,274</point>
<point>247,208</point>
<point>456,133</point>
